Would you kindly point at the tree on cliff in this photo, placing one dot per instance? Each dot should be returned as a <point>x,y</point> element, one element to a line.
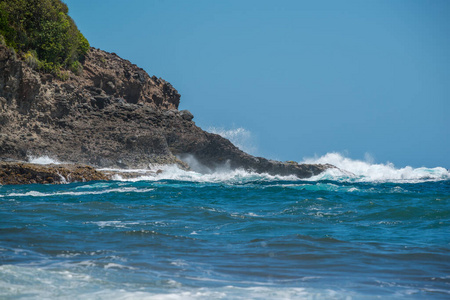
<point>42,33</point>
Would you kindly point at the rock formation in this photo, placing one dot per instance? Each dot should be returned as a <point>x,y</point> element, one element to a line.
<point>113,114</point>
<point>26,173</point>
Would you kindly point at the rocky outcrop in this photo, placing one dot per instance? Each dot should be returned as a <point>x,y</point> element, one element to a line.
<point>113,114</point>
<point>110,76</point>
<point>26,173</point>
<point>101,117</point>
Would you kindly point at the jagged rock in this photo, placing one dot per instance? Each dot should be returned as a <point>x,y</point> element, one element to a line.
<point>186,115</point>
<point>111,115</point>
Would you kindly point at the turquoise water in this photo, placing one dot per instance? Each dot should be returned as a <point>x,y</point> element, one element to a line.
<point>227,236</point>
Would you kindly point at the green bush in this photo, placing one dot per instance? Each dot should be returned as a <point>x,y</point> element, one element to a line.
<point>62,75</point>
<point>43,27</point>
<point>48,67</point>
<point>31,59</point>
<point>76,68</point>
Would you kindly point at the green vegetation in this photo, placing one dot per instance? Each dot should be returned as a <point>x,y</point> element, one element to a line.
<point>42,33</point>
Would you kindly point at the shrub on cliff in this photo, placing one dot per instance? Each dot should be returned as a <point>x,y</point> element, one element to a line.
<point>43,27</point>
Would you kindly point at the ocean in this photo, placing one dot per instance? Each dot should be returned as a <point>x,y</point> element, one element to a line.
<point>370,231</point>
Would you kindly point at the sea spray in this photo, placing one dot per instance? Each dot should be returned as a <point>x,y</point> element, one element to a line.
<point>43,160</point>
<point>347,170</point>
<point>368,171</point>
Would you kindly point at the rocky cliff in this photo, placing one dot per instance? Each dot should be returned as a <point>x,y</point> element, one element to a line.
<point>113,114</point>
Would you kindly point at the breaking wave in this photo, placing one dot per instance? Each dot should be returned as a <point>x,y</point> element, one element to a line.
<point>348,169</point>
<point>367,171</point>
<point>224,175</point>
<point>43,160</point>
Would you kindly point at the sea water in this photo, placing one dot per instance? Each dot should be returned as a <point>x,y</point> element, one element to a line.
<point>367,231</point>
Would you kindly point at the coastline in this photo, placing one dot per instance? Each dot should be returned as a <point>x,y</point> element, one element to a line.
<point>111,115</point>
<point>21,172</point>
<point>29,173</point>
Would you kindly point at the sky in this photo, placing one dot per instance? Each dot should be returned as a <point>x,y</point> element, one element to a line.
<point>297,78</point>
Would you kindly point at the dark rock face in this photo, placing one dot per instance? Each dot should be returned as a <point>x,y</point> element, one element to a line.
<point>114,77</point>
<point>112,115</point>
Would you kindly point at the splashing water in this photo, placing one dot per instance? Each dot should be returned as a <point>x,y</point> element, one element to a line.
<point>351,169</point>
<point>43,160</point>
<point>347,170</point>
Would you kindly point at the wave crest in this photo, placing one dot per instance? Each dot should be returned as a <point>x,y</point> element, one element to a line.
<point>366,171</point>
<point>224,175</point>
<point>348,170</point>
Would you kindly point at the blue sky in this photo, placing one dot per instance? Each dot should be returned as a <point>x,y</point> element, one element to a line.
<point>303,77</point>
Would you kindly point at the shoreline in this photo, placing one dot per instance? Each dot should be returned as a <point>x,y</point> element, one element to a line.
<point>15,172</point>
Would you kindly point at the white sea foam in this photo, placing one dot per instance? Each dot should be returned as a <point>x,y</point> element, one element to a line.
<point>43,160</point>
<point>117,224</point>
<point>117,266</point>
<point>232,292</point>
<point>39,283</point>
<point>367,171</point>
<point>115,190</point>
<point>225,175</point>
<point>348,170</point>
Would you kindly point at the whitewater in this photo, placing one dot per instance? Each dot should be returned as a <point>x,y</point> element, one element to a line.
<point>360,231</point>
